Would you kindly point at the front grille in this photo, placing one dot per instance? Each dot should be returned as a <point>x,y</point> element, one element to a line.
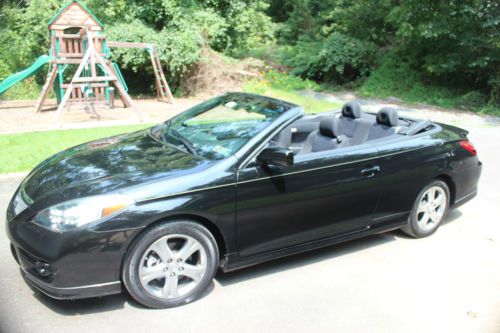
<point>19,204</point>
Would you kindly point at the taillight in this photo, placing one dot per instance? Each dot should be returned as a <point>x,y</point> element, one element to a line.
<point>465,144</point>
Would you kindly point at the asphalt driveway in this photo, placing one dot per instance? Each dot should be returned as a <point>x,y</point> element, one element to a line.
<point>449,282</point>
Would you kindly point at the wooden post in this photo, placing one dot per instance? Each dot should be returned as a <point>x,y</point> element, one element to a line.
<point>111,91</point>
<point>46,88</point>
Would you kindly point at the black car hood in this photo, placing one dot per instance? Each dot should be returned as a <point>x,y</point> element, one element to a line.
<point>107,165</point>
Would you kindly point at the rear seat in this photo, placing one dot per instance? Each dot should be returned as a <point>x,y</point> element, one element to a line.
<point>347,129</point>
<point>387,120</point>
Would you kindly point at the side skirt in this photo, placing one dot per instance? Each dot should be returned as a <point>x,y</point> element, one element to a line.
<point>234,261</point>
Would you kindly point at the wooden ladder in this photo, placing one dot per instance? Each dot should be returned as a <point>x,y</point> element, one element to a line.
<point>51,76</point>
<point>162,89</point>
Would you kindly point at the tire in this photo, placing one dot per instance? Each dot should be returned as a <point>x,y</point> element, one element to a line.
<point>170,264</point>
<point>435,212</point>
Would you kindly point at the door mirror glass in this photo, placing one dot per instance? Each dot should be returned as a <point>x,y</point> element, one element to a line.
<point>275,156</point>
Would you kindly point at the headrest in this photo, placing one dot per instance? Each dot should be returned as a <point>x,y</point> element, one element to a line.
<point>351,109</point>
<point>387,116</point>
<point>328,127</point>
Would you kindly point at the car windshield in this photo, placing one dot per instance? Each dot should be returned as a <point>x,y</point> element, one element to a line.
<point>217,128</point>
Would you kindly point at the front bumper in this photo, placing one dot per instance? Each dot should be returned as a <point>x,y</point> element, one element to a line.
<point>77,264</point>
<point>46,285</point>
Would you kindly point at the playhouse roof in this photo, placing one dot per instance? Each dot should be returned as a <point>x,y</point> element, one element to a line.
<point>74,14</point>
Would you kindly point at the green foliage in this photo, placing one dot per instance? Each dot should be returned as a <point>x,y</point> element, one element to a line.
<point>288,82</point>
<point>338,58</point>
<point>178,49</point>
<point>289,88</point>
<point>439,49</point>
<point>450,40</point>
<point>4,70</point>
<point>22,152</point>
<point>27,89</point>
<point>395,78</point>
<point>444,52</point>
<point>179,29</point>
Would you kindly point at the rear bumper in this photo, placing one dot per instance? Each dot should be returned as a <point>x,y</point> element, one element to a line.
<point>466,176</point>
<point>466,198</point>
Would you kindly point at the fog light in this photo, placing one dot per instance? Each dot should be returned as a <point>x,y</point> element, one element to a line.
<point>43,269</point>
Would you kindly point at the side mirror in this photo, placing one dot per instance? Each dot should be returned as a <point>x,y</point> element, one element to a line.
<point>275,156</point>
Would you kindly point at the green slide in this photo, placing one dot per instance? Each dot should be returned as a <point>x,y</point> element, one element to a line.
<point>16,78</point>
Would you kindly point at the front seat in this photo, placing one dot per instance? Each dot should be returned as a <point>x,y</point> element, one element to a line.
<point>325,138</point>
<point>283,139</point>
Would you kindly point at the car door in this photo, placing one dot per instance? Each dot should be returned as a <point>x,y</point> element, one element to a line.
<point>407,164</point>
<point>322,195</point>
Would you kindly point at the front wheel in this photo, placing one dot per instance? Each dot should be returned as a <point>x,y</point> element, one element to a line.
<point>429,210</point>
<point>170,264</point>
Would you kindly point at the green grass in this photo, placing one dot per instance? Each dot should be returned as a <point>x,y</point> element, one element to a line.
<point>287,87</point>
<point>23,151</point>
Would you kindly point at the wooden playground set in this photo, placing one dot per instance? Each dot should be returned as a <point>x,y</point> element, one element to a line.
<point>79,48</point>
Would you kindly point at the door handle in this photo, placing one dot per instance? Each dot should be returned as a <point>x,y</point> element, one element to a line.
<point>371,171</point>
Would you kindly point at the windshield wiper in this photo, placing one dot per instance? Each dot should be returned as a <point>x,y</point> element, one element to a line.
<point>185,142</point>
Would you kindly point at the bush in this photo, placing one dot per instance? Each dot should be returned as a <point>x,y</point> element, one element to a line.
<point>4,70</point>
<point>288,82</point>
<point>472,100</point>
<point>395,77</point>
<point>339,58</point>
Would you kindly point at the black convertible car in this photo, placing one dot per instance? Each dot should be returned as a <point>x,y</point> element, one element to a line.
<point>232,182</point>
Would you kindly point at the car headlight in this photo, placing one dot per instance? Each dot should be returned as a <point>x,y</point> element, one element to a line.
<point>75,213</point>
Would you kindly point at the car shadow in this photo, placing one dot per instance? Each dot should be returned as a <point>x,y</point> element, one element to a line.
<point>315,256</point>
<point>453,215</point>
<point>117,302</point>
<point>303,259</point>
<point>87,306</point>
<point>82,306</point>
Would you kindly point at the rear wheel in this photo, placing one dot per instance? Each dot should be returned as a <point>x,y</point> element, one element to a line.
<point>429,210</point>
<point>171,264</point>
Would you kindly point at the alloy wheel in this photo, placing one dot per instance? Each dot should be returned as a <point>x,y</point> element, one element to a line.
<point>431,208</point>
<point>172,266</point>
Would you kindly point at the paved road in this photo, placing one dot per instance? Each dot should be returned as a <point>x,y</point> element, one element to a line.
<point>449,282</point>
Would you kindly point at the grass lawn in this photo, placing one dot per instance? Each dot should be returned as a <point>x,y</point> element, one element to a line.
<point>309,104</point>
<point>287,87</point>
<point>23,151</point>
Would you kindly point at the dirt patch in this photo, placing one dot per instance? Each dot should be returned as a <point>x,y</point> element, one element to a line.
<point>216,74</point>
<point>20,117</point>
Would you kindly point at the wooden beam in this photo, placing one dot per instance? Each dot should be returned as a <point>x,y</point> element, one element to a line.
<point>70,55</point>
<point>80,85</point>
<point>128,45</point>
<point>94,79</point>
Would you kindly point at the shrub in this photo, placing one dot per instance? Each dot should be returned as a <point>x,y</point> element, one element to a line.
<point>472,100</point>
<point>339,58</point>
<point>289,82</point>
